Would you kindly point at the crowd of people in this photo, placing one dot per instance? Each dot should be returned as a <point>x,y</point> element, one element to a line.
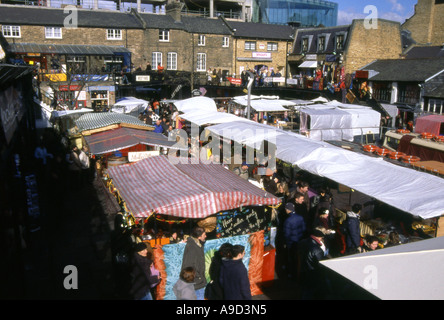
<point>228,274</point>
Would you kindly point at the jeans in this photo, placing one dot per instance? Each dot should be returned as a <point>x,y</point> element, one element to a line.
<point>200,294</point>
<point>148,296</point>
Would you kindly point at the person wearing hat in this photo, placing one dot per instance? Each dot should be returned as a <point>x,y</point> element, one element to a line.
<point>311,251</point>
<point>242,171</point>
<point>294,229</point>
<point>141,278</point>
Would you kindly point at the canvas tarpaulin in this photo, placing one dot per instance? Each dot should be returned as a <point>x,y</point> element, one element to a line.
<point>121,138</point>
<point>408,190</point>
<point>411,271</point>
<point>430,124</point>
<point>202,104</point>
<point>184,190</point>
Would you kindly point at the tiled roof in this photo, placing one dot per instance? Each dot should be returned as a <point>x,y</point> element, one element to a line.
<point>425,52</point>
<point>313,33</point>
<point>16,15</point>
<point>410,70</point>
<point>261,30</point>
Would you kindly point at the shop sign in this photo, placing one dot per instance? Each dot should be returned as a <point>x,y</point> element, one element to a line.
<point>262,55</point>
<point>234,80</point>
<point>311,57</point>
<point>136,156</point>
<point>65,87</point>
<point>143,78</point>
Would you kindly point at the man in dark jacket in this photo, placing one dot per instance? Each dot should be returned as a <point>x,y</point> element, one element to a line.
<point>294,229</point>
<point>234,276</point>
<point>194,256</point>
<point>353,229</point>
<point>141,277</point>
<point>311,251</point>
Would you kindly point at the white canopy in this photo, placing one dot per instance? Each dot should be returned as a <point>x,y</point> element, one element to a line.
<point>411,271</point>
<point>62,113</point>
<point>264,104</point>
<point>334,121</point>
<point>309,64</point>
<point>202,104</point>
<point>129,104</point>
<point>201,118</point>
<point>408,190</point>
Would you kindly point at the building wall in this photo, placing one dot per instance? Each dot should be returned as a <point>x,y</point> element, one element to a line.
<point>278,57</point>
<point>427,23</point>
<point>365,45</point>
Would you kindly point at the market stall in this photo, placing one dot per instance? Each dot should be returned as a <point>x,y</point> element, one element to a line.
<point>417,275</point>
<point>188,192</point>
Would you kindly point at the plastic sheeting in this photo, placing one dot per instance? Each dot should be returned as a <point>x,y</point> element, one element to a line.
<point>202,104</point>
<point>210,118</point>
<point>408,190</point>
<point>336,121</point>
<point>411,271</point>
<point>261,104</point>
<point>129,104</point>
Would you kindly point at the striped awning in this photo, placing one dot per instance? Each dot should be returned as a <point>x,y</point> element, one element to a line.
<point>187,190</point>
<point>121,138</point>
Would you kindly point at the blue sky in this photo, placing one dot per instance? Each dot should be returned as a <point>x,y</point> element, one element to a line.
<point>396,10</point>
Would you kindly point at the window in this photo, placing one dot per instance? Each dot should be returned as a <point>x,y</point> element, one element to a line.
<point>250,45</point>
<point>340,42</point>
<point>225,42</point>
<point>164,35</point>
<point>201,40</point>
<point>201,62</point>
<point>321,44</point>
<point>53,33</point>
<point>11,31</point>
<point>156,58</point>
<point>304,45</point>
<point>172,61</point>
<point>114,34</point>
<point>272,46</point>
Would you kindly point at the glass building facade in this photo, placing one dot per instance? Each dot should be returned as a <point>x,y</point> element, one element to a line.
<point>303,13</point>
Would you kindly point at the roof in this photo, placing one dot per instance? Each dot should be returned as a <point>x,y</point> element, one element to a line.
<point>186,190</point>
<point>434,87</point>
<point>313,33</point>
<point>96,120</point>
<point>10,73</point>
<point>425,52</point>
<point>66,49</point>
<point>261,30</point>
<point>418,265</point>
<point>26,15</point>
<point>121,138</point>
<point>408,70</point>
<point>157,21</point>
<point>205,25</point>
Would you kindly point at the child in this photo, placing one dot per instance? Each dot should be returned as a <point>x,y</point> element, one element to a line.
<point>184,287</point>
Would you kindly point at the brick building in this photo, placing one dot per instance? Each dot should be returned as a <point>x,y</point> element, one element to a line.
<point>426,26</point>
<point>341,50</point>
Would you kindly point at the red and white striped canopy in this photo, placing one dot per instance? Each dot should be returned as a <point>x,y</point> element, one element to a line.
<point>184,190</point>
